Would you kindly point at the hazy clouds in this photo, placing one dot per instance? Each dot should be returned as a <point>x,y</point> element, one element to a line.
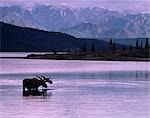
<point>134,5</point>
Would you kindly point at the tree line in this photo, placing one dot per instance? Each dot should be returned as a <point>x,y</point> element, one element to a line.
<point>112,47</point>
<point>140,46</point>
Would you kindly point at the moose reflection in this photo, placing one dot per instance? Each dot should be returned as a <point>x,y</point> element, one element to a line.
<point>30,86</point>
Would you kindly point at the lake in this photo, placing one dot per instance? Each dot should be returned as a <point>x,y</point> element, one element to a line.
<point>90,89</point>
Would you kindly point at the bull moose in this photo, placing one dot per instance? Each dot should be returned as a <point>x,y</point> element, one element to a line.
<point>33,84</point>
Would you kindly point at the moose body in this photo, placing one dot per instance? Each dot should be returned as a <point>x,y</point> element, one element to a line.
<point>34,83</point>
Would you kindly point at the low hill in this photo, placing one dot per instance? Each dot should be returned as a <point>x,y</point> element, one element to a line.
<point>18,39</point>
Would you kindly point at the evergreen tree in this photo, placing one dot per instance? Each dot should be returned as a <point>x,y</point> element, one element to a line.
<point>146,43</point>
<point>124,47</point>
<point>68,50</point>
<point>110,44</point>
<point>137,45</point>
<point>83,48</point>
<point>54,52</point>
<point>131,47</point>
<point>114,46</point>
<point>93,48</point>
<point>141,45</point>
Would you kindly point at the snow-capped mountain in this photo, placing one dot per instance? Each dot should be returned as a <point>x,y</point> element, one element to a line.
<point>80,22</point>
<point>47,17</point>
<point>116,27</point>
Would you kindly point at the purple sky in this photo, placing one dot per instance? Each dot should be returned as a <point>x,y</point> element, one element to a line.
<point>133,5</point>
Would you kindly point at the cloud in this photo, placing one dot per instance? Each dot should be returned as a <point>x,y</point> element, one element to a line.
<point>139,5</point>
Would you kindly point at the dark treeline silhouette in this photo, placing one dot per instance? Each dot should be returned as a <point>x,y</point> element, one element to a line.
<point>112,52</point>
<point>146,46</point>
<point>138,45</point>
<point>84,48</point>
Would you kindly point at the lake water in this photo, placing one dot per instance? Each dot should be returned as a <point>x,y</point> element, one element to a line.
<point>81,89</point>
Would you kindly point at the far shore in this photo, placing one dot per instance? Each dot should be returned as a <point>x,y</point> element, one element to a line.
<point>124,55</point>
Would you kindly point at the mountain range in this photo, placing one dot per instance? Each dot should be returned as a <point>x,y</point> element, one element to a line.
<point>88,22</point>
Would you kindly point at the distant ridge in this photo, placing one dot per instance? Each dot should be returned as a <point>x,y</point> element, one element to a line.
<point>14,38</point>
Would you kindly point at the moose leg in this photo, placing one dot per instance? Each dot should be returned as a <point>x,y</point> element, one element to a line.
<point>23,88</point>
<point>44,92</point>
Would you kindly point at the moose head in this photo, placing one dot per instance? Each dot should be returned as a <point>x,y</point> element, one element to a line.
<point>49,80</point>
<point>43,83</point>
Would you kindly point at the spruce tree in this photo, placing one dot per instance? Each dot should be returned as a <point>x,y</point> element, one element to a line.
<point>124,47</point>
<point>131,47</point>
<point>141,45</point>
<point>68,50</point>
<point>146,44</point>
<point>110,44</point>
<point>137,44</point>
<point>114,46</point>
<point>93,48</point>
<point>83,48</point>
<point>54,52</point>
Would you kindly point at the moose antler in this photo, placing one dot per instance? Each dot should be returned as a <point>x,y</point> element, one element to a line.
<point>50,78</point>
<point>44,78</point>
<point>39,77</point>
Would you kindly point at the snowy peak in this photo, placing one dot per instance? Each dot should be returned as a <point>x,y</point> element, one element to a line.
<point>91,22</point>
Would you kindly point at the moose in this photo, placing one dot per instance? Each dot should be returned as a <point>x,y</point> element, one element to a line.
<point>33,84</point>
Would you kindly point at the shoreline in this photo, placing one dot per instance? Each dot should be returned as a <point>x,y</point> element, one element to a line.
<point>104,59</point>
<point>114,55</point>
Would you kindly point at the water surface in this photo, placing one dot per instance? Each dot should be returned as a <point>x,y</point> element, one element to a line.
<point>90,89</point>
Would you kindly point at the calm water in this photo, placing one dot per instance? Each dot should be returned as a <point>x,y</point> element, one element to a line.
<point>81,89</point>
